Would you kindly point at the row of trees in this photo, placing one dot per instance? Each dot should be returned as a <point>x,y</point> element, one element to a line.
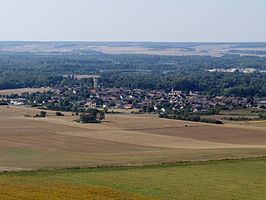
<point>230,84</point>
<point>21,79</point>
<point>188,116</point>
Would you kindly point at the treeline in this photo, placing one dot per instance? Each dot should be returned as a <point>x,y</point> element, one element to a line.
<point>230,84</point>
<point>186,73</point>
<point>10,80</point>
<point>188,116</point>
<point>97,63</point>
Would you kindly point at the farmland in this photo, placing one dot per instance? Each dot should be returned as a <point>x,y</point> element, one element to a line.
<point>128,156</point>
<point>22,90</point>
<point>58,142</point>
<point>238,180</point>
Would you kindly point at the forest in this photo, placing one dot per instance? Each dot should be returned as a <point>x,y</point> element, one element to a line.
<point>186,73</point>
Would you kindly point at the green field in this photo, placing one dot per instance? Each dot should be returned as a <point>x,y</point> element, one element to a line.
<point>219,180</point>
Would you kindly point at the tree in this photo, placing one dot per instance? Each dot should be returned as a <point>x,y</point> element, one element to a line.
<point>101,115</point>
<point>92,115</point>
<point>59,114</point>
<point>41,114</point>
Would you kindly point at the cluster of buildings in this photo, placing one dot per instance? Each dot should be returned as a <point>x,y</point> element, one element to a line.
<point>149,100</point>
<point>247,70</point>
<point>68,98</point>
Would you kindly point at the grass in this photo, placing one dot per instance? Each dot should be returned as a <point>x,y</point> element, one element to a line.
<point>219,180</point>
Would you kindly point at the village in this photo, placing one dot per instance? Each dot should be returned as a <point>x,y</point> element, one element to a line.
<point>78,99</point>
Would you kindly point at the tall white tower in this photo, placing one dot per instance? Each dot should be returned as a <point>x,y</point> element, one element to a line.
<point>95,82</point>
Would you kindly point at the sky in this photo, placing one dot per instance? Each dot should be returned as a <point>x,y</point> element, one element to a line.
<point>133,20</point>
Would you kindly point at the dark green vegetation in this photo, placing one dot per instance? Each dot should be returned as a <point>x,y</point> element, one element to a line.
<point>3,103</point>
<point>219,180</point>
<point>244,115</point>
<point>189,116</point>
<point>229,84</point>
<point>41,114</point>
<point>262,115</point>
<point>91,115</point>
<point>186,73</point>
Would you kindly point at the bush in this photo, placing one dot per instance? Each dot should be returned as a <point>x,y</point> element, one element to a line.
<point>41,114</point>
<point>212,121</point>
<point>189,117</point>
<point>3,103</point>
<point>262,115</point>
<point>59,114</point>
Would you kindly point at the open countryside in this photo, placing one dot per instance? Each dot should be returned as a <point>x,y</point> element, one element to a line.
<point>59,142</point>
<point>238,180</point>
<point>22,90</point>
<point>133,100</point>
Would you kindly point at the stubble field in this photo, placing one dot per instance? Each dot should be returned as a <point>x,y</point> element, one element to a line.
<point>59,142</point>
<point>131,141</point>
<point>23,90</point>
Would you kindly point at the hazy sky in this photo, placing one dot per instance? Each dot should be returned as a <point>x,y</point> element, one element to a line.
<point>133,20</point>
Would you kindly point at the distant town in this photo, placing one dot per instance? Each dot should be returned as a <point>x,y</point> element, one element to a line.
<point>174,104</point>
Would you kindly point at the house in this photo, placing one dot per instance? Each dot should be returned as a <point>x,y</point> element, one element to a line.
<point>128,106</point>
<point>18,102</point>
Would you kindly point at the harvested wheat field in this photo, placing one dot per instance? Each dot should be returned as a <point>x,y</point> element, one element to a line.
<point>23,90</point>
<point>57,142</point>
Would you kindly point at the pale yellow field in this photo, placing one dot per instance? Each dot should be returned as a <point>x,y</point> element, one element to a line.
<point>80,76</point>
<point>165,51</point>
<point>23,90</point>
<point>58,142</point>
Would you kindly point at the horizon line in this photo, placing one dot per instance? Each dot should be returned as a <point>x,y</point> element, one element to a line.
<point>131,41</point>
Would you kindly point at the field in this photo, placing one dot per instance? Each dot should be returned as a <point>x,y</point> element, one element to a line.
<point>128,156</point>
<point>22,90</point>
<point>219,180</point>
<point>150,48</point>
<point>59,142</point>
<point>78,76</point>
